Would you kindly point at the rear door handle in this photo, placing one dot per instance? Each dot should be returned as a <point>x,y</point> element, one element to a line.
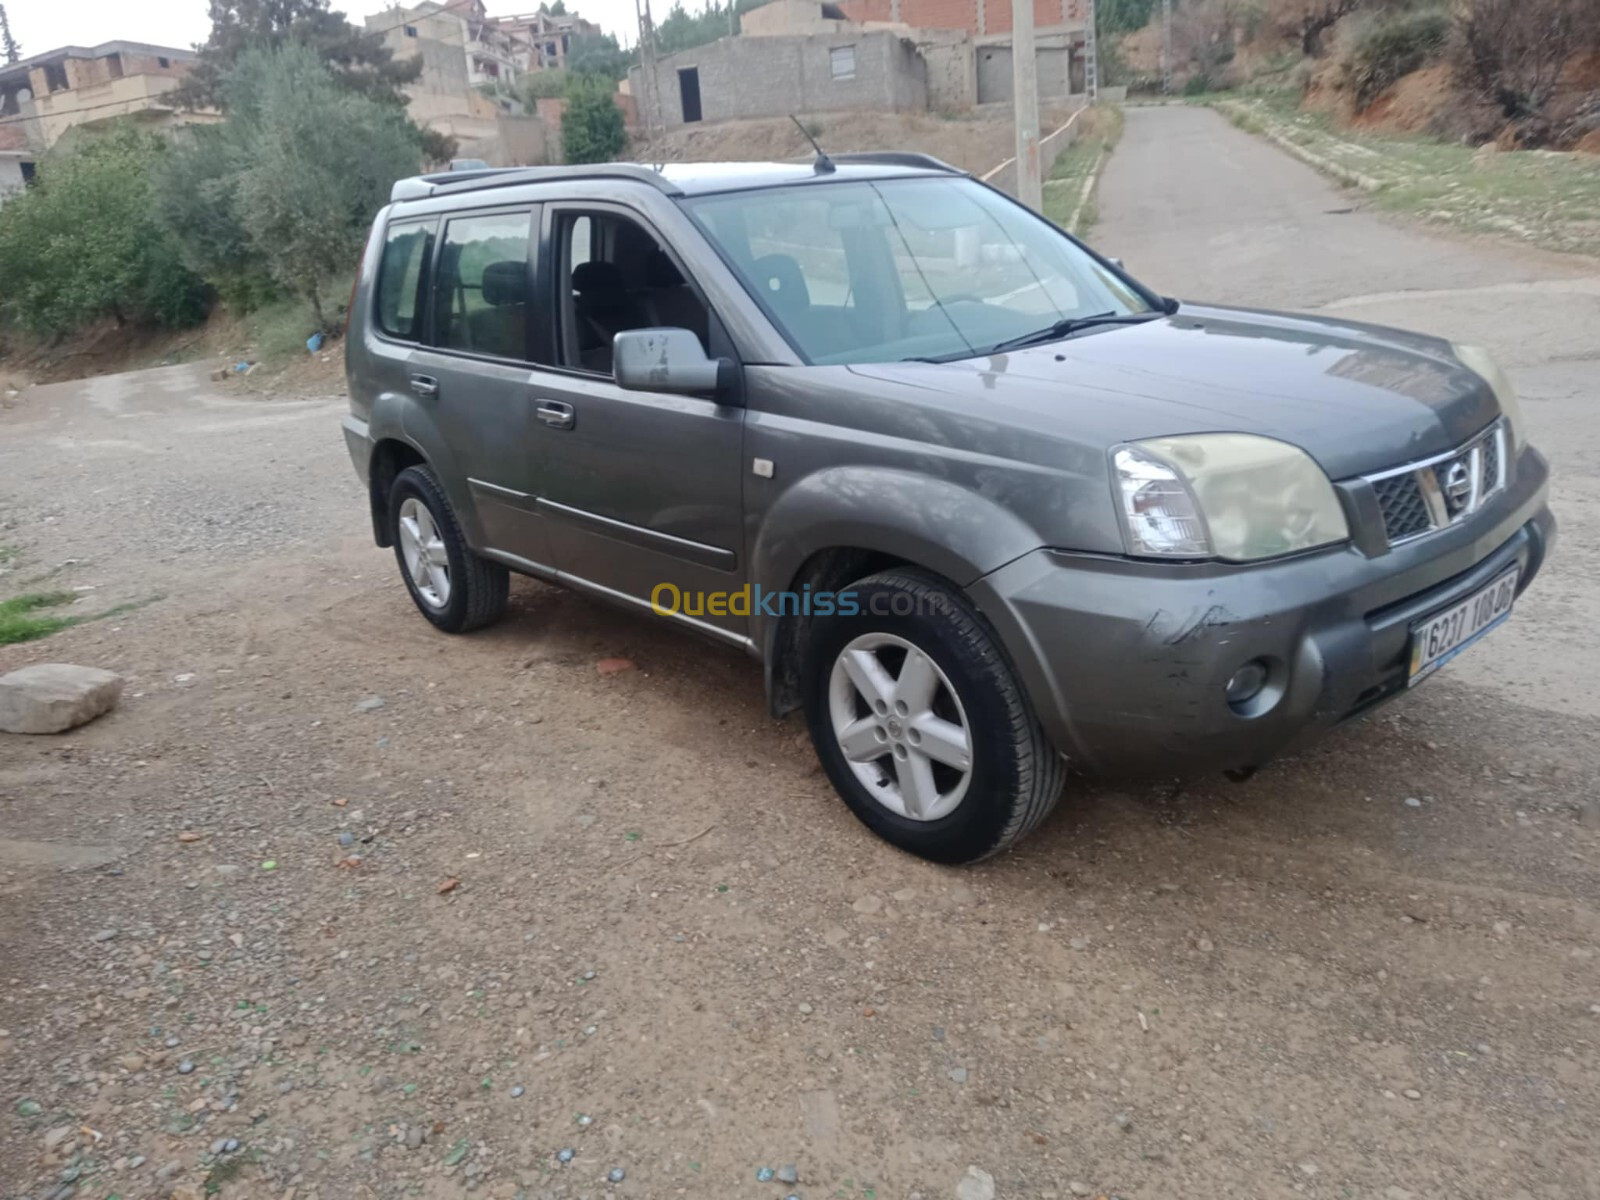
<point>555,413</point>
<point>425,385</point>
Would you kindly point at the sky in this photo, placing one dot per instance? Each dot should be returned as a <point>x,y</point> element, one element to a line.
<point>43,25</point>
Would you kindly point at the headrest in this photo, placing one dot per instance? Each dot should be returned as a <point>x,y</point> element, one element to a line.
<point>505,283</point>
<point>596,278</point>
<point>781,282</point>
<point>660,271</point>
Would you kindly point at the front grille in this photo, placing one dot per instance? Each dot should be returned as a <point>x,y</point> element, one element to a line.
<point>1423,497</point>
<point>1405,513</point>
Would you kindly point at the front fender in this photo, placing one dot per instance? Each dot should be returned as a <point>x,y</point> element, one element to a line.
<point>936,524</point>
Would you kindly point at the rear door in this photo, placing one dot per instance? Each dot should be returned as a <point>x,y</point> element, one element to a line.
<point>474,375</point>
<point>396,324</point>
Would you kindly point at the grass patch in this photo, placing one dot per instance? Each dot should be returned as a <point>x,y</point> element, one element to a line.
<point>1547,198</point>
<point>1098,131</point>
<point>20,622</point>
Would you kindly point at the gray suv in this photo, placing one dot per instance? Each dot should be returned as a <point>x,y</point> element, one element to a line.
<point>978,501</point>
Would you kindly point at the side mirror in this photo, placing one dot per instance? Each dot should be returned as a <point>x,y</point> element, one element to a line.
<point>665,360</point>
<point>1117,263</point>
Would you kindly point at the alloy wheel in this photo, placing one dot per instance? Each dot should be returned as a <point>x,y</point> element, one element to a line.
<point>427,561</point>
<point>900,726</point>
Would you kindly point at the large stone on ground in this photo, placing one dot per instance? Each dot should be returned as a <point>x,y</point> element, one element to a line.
<point>54,697</point>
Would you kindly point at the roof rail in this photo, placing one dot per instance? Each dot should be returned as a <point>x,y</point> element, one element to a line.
<point>897,158</point>
<point>443,183</point>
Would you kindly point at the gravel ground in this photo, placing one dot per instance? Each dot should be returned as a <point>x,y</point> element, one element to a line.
<point>333,906</point>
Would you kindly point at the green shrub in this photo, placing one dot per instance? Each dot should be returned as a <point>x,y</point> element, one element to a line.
<point>544,85</point>
<point>1390,48</point>
<point>83,244</point>
<point>591,128</point>
<point>193,193</point>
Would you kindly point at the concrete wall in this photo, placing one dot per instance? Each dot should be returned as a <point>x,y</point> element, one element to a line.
<point>775,76</point>
<point>1058,71</point>
<point>951,70</point>
<point>787,17</point>
<point>976,17</point>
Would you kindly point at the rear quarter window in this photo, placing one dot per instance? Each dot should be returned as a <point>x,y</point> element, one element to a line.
<point>407,249</point>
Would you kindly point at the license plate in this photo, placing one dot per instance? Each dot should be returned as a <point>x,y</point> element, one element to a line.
<point>1441,637</point>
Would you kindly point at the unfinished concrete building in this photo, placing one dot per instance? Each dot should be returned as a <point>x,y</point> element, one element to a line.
<point>46,96</point>
<point>802,56</point>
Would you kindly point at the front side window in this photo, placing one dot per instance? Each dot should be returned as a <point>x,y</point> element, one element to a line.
<point>406,251</point>
<point>880,270</point>
<point>481,296</point>
<point>615,276</point>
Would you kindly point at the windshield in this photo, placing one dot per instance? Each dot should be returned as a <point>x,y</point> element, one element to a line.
<point>888,269</point>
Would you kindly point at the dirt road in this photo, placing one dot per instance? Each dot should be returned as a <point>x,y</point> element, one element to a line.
<point>1369,972</point>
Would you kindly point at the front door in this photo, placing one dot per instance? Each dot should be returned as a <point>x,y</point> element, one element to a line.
<point>474,376</point>
<point>641,489</point>
<point>689,92</point>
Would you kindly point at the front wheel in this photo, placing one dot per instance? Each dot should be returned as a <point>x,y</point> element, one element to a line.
<point>921,725</point>
<point>452,586</point>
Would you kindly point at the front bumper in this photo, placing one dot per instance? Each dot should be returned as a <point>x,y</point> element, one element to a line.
<point>1127,661</point>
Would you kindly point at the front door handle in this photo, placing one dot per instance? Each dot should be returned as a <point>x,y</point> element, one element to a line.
<point>555,413</point>
<point>425,385</point>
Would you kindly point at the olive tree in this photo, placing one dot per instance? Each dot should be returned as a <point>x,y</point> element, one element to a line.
<point>289,182</point>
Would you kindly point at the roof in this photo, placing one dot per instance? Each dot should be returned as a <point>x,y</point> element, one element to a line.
<point>682,179</point>
<point>100,51</point>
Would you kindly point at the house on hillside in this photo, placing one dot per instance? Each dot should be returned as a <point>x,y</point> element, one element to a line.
<point>49,95</point>
<point>467,86</point>
<point>551,35</point>
<point>806,56</point>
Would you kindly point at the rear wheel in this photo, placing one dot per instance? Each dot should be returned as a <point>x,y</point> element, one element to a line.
<point>921,725</point>
<point>453,587</point>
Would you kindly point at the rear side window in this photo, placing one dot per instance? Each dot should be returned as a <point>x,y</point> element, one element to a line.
<point>481,294</point>
<point>406,251</point>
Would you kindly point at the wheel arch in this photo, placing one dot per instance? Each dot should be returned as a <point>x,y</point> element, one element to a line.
<point>841,524</point>
<point>390,456</point>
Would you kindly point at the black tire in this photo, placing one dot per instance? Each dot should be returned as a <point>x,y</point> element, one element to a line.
<point>478,587</point>
<point>1016,773</point>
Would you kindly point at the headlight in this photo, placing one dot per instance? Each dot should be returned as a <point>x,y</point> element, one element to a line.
<point>1223,495</point>
<point>1482,364</point>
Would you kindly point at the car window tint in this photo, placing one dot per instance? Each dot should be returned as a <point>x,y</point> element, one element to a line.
<point>481,298</point>
<point>406,250</point>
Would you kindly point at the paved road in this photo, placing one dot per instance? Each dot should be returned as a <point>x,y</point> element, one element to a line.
<point>1305,985</point>
<point>1205,211</point>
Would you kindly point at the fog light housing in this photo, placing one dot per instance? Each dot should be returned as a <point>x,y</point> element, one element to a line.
<point>1247,683</point>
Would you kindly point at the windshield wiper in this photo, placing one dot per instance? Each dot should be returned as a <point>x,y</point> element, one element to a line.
<point>1069,325</point>
<point>1063,327</point>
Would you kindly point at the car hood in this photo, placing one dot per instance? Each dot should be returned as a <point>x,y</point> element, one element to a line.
<point>1357,398</point>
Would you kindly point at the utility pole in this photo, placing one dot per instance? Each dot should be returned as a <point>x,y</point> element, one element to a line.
<point>1025,100</point>
<point>649,77</point>
<point>8,44</point>
<point>1166,47</point>
<point>1091,55</point>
